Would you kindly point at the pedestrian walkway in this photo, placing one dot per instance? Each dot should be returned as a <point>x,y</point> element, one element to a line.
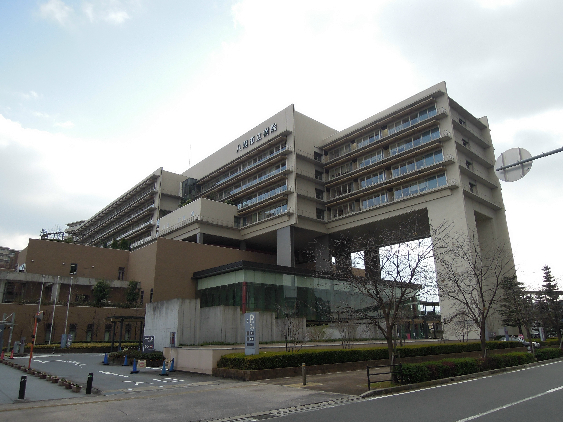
<point>350,383</point>
<point>36,388</point>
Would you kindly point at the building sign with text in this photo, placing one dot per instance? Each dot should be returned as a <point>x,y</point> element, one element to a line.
<point>258,137</point>
<point>251,346</point>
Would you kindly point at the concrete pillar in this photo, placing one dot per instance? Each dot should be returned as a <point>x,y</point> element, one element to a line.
<point>323,259</point>
<point>285,247</point>
<point>199,237</point>
<point>56,290</point>
<point>2,287</point>
<point>372,262</point>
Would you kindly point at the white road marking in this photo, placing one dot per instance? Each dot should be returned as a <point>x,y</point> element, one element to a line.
<point>553,390</point>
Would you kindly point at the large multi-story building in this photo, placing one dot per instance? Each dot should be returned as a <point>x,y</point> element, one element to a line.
<point>291,184</point>
<point>133,216</point>
<point>286,194</point>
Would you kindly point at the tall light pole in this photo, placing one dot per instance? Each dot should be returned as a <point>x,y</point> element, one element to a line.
<point>67,306</point>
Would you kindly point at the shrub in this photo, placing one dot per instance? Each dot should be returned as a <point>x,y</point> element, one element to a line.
<point>410,373</point>
<point>549,353</point>
<point>271,360</point>
<point>137,354</point>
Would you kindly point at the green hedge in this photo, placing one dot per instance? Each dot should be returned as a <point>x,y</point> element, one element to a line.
<point>549,353</point>
<point>89,345</point>
<point>411,373</point>
<point>136,354</point>
<point>271,360</point>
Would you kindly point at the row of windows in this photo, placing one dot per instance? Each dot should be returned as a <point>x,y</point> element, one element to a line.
<point>415,141</point>
<point>374,200</point>
<point>341,190</point>
<point>254,161</point>
<point>420,186</point>
<point>251,181</point>
<point>394,149</point>
<point>261,215</point>
<point>412,120</point>
<point>417,163</point>
<point>372,158</point>
<point>372,179</point>
<point>262,196</point>
<point>383,197</point>
<point>341,150</point>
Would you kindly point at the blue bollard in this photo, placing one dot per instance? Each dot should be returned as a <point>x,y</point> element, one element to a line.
<point>134,371</point>
<point>125,363</point>
<point>106,359</point>
<point>172,366</point>
<point>163,373</point>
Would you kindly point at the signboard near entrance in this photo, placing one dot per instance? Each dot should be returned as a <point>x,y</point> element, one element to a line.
<point>148,344</point>
<point>251,346</point>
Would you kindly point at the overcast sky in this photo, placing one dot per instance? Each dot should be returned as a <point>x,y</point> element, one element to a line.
<point>95,95</point>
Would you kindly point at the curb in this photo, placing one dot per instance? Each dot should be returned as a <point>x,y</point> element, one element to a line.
<point>410,387</point>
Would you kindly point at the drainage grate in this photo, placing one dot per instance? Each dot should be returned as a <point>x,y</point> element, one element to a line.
<point>260,416</point>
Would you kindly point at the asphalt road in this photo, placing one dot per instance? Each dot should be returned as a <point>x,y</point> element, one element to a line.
<point>532,393</point>
<point>110,379</point>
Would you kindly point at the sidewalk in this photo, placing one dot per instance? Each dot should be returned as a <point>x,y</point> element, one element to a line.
<point>36,389</point>
<point>350,383</point>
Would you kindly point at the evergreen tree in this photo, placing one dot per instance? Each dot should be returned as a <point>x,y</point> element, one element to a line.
<point>101,291</point>
<point>132,293</point>
<point>551,310</point>
<point>511,303</point>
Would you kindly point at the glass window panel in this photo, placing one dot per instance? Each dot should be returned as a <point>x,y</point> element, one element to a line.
<point>403,168</point>
<point>406,191</point>
<point>426,137</point>
<point>423,115</point>
<point>414,189</point>
<point>429,159</point>
<point>438,156</point>
<point>435,133</point>
<point>442,179</point>
<point>410,166</point>
<point>398,193</point>
<point>419,162</point>
<point>432,183</point>
<point>432,111</point>
<point>423,186</point>
<point>416,141</point>
<point>396,172</point>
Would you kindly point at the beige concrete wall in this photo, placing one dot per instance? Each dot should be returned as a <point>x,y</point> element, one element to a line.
<point>142,264</point>
<point>54,258</point>
<point>171,183</point>
<point>176,262</point>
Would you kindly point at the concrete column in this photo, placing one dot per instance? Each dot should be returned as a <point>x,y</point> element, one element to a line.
<point>285,247</point>
<point>323,259</point>
<point>56,290</point>
<point>2,287</point>
<point>199,237</point>
<point>372,262</point>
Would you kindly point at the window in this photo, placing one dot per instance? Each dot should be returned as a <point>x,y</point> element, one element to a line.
<point>372,158</point>
<point>342,210</point>
<point>264,214</point>
<point>127,336</point>
<point>417,163</point>
<point>48,332</point>
<point>340,151</point>
<point>262,195</point>
<point>152,291</point>
<point>413,119</point>
<point>143,295</point>
<point>341,190</point>
<point>317,156</point>
<point>368,139</point>
<point>319,194</point>
<point>72,331</point>
<point>73,268</point>
<point>107,332</point>
<point>374,200</point>
<point>89,330</point>
<point>462,122</point>
<point>372,179</point>
<point>320,214</point>
<point>121,273</point>
<point>473,186</point>
<point>415,141</point>
<point>419,186</point>
<point>465,143</point>
<point>318,175</point>
<point>469,164</point>
<point>339,171</point>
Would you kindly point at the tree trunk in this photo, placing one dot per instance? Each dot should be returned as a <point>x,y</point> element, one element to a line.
<point>483,338</point>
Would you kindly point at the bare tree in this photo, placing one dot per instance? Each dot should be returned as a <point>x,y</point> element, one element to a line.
<point>470,279</point>
<point>396,272</point>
